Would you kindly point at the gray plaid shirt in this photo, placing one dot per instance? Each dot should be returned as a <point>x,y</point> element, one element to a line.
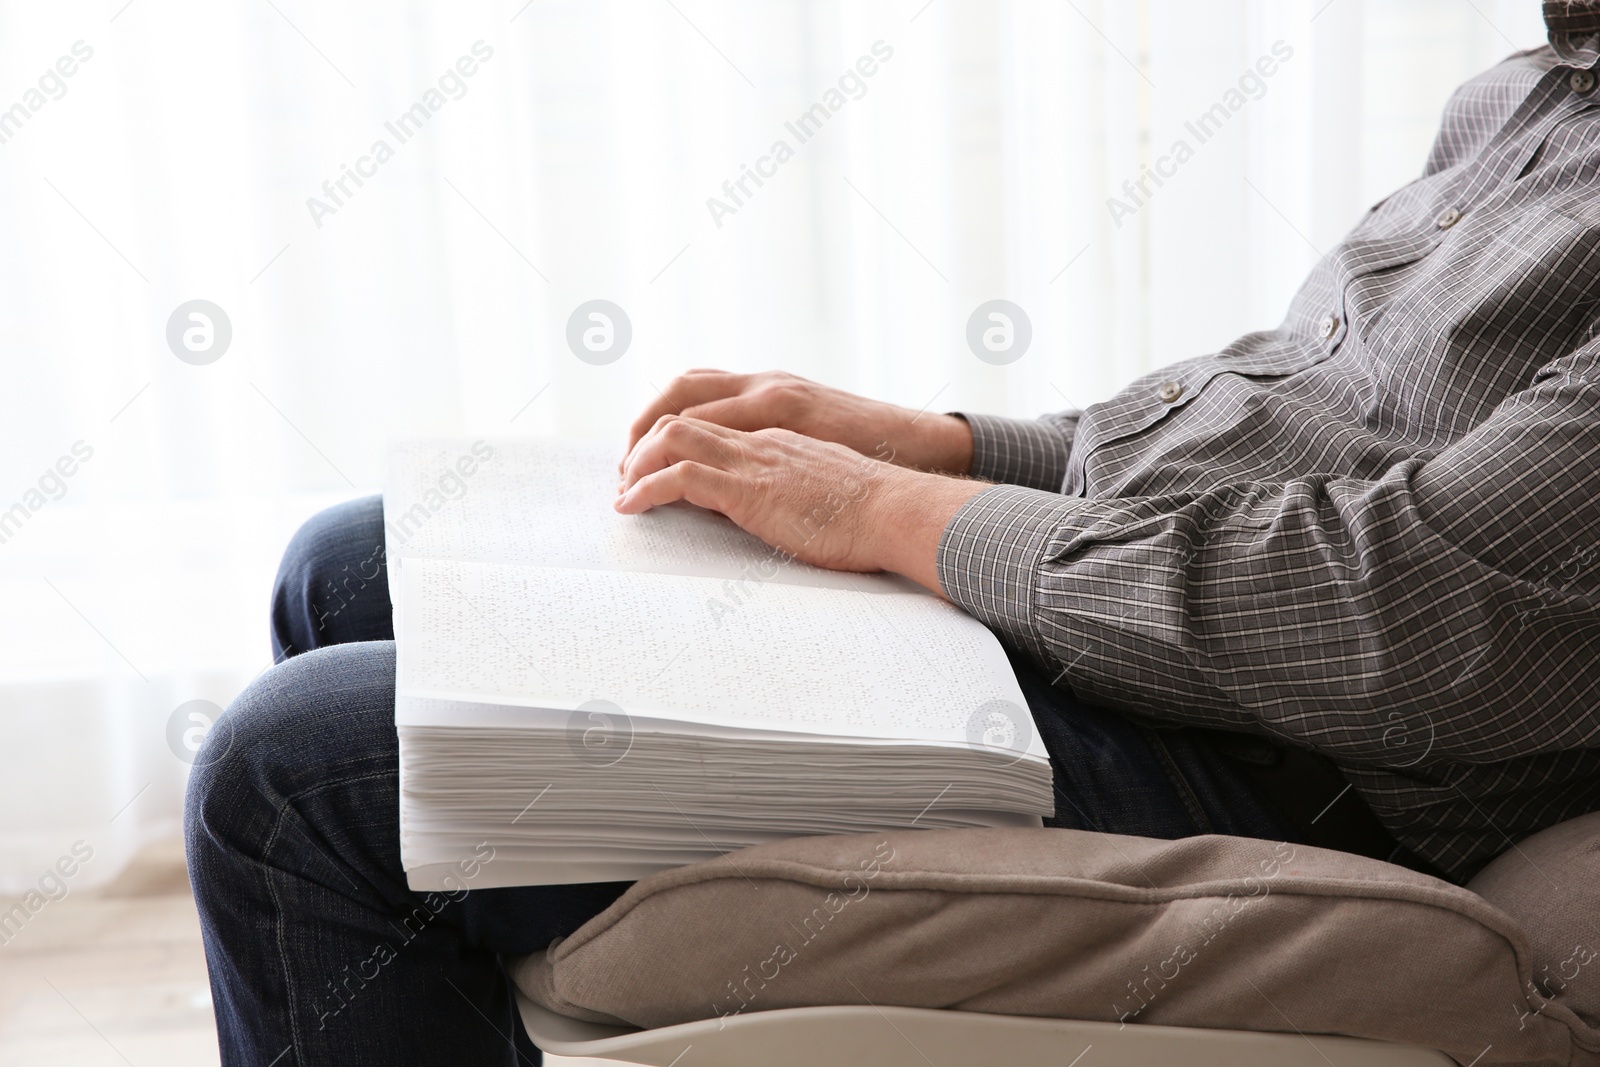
<point>1374,530</point>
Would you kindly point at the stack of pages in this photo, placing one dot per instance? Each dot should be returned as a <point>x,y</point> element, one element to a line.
<point>586,696</point>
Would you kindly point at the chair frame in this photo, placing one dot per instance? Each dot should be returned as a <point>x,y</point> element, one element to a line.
<point>869,1036</point>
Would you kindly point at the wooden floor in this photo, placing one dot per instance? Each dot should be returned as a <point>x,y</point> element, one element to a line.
<point>114,976</point>
<point>111,976</point>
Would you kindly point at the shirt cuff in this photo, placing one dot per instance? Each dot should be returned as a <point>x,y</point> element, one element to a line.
<point>989,556</point>
<point>1030,452</point>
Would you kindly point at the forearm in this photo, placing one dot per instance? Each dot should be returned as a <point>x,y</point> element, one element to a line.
<point>1322,610</point>
<point>913,512</point>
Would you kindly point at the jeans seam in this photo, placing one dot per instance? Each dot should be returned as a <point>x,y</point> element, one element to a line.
<point>277,904</point>
<point>1181,784</point>
<point>277,924</point>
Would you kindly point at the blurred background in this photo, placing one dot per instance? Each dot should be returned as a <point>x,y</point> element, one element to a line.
<point>195,153</point>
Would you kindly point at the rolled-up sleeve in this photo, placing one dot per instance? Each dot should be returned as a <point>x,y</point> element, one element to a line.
<point>1030,452</point>
<point>1448,610</point>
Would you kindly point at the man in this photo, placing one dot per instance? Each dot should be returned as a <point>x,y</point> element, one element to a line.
<point>1338,583</point>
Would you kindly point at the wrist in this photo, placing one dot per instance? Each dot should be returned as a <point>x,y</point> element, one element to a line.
<point>909,517</point>
<point>940,443</point>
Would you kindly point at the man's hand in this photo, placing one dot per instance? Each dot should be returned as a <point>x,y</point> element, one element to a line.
<point>776,400</point>
<point>818,501</point>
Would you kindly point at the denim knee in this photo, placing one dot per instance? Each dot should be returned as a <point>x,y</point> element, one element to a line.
<point>332,586</point>
<point>328,713</point>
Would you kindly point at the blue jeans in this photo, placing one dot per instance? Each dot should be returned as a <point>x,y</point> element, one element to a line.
<point>318,951</point>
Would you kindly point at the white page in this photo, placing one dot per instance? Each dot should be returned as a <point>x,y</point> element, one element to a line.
<point>828,661</point>
<point>548,502</point>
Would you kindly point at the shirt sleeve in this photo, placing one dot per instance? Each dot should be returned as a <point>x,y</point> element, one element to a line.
<point>1031,452</point>
<point>1446,611</point>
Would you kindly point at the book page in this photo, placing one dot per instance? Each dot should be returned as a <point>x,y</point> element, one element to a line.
<point>548,502</point>
<point>699,650</point>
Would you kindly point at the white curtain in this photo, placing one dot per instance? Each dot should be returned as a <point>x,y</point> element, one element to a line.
<point>575,161</point>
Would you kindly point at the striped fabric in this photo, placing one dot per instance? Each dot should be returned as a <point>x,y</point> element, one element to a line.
<point>1374,530</point>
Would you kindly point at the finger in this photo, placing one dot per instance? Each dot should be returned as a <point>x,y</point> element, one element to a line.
<point>675,439</point>
<point>706,487</point>
<point>685,391</point>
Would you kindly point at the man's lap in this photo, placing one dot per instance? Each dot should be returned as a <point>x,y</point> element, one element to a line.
<point>1112,774</point>
<point>312,935</point>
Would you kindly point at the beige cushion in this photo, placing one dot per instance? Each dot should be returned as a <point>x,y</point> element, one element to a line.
<point>1550,884</point>
<point>1214,932</point>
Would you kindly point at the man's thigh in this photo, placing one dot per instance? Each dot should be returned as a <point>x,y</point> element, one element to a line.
<point>1116,775</point>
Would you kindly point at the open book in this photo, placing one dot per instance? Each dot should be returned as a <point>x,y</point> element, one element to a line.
<point>597,697</point>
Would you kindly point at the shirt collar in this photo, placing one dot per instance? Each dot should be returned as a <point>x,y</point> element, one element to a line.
<point>1574,32</point>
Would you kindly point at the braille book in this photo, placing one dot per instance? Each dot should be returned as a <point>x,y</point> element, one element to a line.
<point>586,696</point>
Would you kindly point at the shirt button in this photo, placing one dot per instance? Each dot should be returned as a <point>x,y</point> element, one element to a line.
<point>1170,391</point>
<point>1329,327</point>
<point>1448,218</point>
<point>1582,81</point>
